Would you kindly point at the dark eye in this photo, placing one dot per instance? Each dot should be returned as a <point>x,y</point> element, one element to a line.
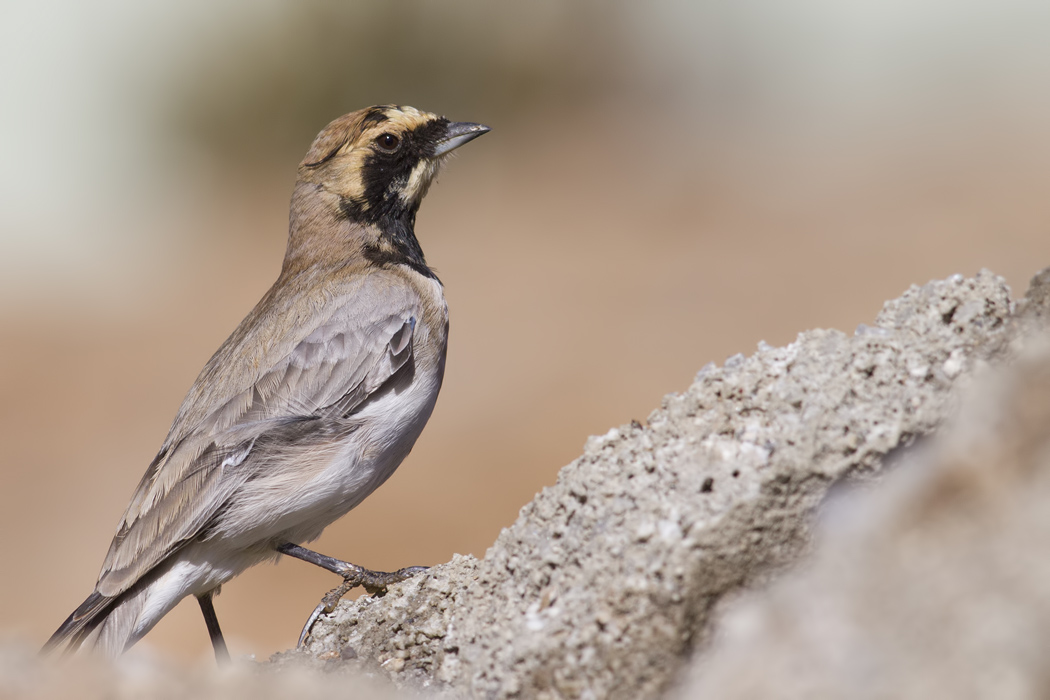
<point>388,142</point>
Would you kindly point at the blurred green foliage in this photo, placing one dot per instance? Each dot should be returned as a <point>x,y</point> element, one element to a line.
<point>274,80</point>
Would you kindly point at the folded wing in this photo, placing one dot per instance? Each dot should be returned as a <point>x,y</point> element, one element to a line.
<point>327,375</point>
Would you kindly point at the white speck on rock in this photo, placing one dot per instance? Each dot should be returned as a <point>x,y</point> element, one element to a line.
<point>955,363</point>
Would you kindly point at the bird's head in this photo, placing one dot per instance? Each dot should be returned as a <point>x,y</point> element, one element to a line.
<point>378,162</point>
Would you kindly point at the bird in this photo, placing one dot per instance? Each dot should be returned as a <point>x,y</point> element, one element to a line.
<point>311,403</point>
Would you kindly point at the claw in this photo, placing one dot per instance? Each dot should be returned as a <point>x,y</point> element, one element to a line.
<point>318,611</point>
<point>327,605</point>
<point>374,582</point>
<point>353,576</point>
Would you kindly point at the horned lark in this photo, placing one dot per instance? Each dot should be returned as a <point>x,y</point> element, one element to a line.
<point>310,405</point>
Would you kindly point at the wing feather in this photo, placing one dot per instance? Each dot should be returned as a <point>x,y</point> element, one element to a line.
<point>327,373</point>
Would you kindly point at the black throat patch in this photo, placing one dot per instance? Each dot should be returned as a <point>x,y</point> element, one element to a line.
<point>398,245</point>
<point>385,178</point>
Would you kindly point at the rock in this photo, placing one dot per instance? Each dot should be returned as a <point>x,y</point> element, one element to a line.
<point>935,585</point>
<point>27,675</point>
<point>606,583</point>
<point>668,559</point>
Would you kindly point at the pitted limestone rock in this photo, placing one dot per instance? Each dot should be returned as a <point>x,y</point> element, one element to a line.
<point>606,581</point>
<point>935,584</point>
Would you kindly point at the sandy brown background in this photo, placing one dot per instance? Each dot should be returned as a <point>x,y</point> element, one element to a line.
<point>657,192</point>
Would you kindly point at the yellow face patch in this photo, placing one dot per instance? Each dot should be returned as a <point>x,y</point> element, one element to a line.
<point>345,148</point>
<point>419,180</point>
<point>400,120</point>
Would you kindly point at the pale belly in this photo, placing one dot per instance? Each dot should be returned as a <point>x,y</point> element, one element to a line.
<point>296,499</point>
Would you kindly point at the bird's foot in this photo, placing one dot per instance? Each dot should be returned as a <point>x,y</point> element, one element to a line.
<point>374,582</point>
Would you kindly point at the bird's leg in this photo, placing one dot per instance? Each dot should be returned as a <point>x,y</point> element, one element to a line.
<point>353,576</point>
<point>222,654</point>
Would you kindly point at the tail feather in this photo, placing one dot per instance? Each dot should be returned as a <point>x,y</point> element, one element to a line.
<point>122,626</point>
<point>106,625</point>
<point>80,623</point>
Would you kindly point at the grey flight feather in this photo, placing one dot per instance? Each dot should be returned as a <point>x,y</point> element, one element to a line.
<point>317,374</point>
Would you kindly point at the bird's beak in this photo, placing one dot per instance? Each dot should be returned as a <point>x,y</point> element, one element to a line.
<point>458,134</point>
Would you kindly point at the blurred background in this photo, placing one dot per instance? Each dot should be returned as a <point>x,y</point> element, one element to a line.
<point>666,184</point>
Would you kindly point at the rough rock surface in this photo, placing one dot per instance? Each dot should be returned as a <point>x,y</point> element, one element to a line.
<point>935,585</point>
<point>26,675</point>
<point>607,580</point>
